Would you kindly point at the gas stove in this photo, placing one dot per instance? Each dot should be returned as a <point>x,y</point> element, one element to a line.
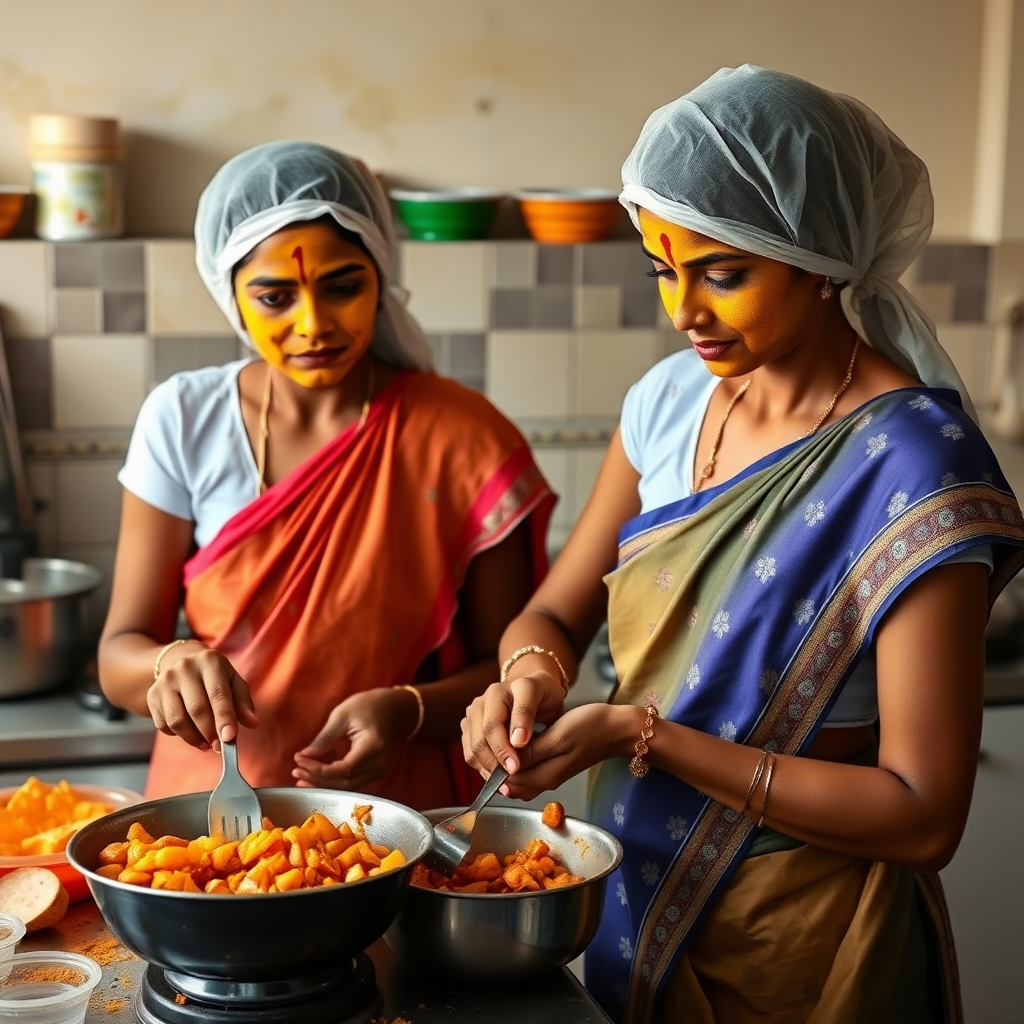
<point>348,995</point>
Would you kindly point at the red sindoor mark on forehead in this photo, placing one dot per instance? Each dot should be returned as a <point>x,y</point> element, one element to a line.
<point>297,256</point>
<point>667,246</point>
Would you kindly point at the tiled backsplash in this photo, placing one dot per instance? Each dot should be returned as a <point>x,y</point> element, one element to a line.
<point>554,335</point>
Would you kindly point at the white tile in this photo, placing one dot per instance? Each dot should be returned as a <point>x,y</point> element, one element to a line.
<point>43,488</point>
<point>99,380</point>
<point>529,373</point>
<point>102,557</point>
<point>449,284</point>
<point>555,465</point>
<point>597,306</point>
<point>24,275</point>
<point>968,346</point>
<point>77,310</point>
<point>938,299</point>
<point>178,302</point>
<point>609,362</point>
<point>586,464</point>
<point>88,501</point>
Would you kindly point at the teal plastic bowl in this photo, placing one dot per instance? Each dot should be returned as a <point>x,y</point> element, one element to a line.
<point>447,215</point>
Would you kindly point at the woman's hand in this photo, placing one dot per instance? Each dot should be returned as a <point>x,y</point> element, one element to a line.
<point>200,697</point>
<point>502,718</point>
<point>579,739</point>
<point>353,749</point>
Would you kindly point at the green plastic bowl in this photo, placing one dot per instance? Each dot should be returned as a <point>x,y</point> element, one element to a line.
<point>447,215</point>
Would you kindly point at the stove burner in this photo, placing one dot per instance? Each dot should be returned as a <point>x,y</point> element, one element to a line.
<point>351,998</point>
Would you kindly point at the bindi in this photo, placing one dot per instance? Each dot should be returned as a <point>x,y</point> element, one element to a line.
<point>297,256</point>
<point>667,246</point>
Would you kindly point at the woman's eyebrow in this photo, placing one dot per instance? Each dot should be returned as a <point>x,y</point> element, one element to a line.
<point>700,261</point>
<point>287,282</point>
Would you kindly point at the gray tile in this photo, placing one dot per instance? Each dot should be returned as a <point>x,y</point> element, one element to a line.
<point>613,263</point>
<point>514,265</point>
<point>961,264</point>
<point>124,312</point>
<point>29,362</point>
<point>551,306</point>
<point>969,304</point>
<point>510,307</point>
<point>76,265</point>
<point>33,406</point>
<point>640,305</point>
<point>467,356</point>
<point>437,347</point>
<point>555,264</point>
<point>76,310</point>
<point>172,355</point>
<point>122,267</point>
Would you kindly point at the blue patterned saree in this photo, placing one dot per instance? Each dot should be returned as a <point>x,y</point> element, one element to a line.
<point>741,611</point>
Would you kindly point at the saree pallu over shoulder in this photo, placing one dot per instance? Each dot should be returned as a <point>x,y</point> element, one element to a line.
<point>742,610</point>
<point>344,577</point>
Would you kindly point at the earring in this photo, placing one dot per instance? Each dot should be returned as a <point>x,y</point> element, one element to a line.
<point>827,291</point>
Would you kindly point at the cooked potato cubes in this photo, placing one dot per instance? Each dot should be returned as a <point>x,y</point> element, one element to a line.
<point>272,859</point>
<point>40,819</point>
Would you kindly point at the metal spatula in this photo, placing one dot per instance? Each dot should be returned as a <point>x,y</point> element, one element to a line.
<point>454,835</point>
<point>234,806</point>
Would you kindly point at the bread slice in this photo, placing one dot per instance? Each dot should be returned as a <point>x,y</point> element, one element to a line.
<point>35,896</point>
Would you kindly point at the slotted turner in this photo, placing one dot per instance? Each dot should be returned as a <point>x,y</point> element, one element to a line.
<point>234,806</point>
<point>454,835</point>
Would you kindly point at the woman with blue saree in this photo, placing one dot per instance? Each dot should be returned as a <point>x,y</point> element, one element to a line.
<point>800,548</point>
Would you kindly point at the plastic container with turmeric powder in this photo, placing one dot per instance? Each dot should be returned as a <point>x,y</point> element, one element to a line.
<point>47,987</point>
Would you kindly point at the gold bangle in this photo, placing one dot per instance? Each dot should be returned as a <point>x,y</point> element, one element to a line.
<point>767,786</point>
<point>758,771</point>
<point>638,767</point>
<point>419,708</point>
<point>534,649</point>
<point>163,651</point>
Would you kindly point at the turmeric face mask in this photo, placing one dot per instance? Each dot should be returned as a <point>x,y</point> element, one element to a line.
<point>308,299</point>
<point>739,309</point>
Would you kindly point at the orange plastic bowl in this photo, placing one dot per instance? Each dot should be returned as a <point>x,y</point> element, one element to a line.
<point>568,216</point>
<point>58,862</point>
<point>12,202</point>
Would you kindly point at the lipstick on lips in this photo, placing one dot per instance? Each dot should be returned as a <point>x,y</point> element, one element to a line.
<point>711,350</point>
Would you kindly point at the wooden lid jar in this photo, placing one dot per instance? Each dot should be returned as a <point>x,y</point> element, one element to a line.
<point>78,176</point>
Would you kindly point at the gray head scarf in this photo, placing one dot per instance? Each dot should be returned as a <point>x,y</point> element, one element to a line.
<point>776,166</point>
<point>271,186</point>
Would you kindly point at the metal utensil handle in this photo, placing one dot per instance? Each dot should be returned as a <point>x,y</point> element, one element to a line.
<point>490,787</point>
<point>230,757</point>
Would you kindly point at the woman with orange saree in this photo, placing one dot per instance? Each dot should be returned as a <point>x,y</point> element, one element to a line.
<point>346,532</point>
<point>796,535</point>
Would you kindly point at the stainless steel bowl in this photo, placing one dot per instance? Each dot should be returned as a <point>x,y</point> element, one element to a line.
<point>44,625</point>
<point>262,937</point>
<point>521,934</point>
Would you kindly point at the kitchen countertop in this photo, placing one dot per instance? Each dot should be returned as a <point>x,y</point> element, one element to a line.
<point>555,998</point>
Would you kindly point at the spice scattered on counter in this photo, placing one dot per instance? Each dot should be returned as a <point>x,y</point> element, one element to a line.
<point>180,998</point>
<point>116,1005</point>
<point>104,951</point>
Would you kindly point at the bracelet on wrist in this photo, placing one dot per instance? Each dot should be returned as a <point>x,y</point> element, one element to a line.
<point>163,650</point>
<point>638,767</point>
<point>534,649</point>
<point>419,708</point>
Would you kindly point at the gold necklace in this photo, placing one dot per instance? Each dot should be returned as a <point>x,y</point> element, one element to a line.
<point>710,464</point>
<point>264,429</point>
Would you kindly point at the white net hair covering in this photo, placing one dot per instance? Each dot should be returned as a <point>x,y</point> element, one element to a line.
<point>776,166</point>
<point>277,184</point>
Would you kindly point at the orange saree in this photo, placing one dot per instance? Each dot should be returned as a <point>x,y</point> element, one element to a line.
<point>344,577</point>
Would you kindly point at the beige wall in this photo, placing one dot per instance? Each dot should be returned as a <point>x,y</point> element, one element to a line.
<point>447,92</point>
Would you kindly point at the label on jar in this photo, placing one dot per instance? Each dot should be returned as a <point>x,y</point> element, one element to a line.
<point>78,200</point>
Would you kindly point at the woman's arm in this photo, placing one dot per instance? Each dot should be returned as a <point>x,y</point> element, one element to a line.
<point>198,691</point>
<point>562,617</point>
<point>910,810</point>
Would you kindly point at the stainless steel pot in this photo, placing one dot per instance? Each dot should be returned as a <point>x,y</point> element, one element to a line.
<point>521,934</point>
<point>259,938</point>
<point>44,625</point>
